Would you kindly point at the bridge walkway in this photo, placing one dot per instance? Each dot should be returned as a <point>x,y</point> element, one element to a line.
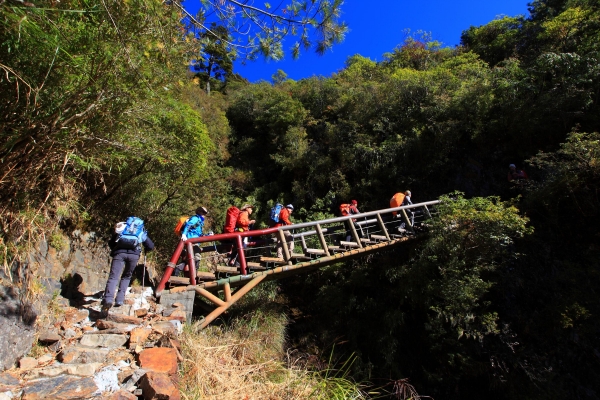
<point>319,243</point>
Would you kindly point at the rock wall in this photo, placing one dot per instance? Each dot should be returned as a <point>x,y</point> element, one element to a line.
<point>17,327</point>
<point>81,266</point>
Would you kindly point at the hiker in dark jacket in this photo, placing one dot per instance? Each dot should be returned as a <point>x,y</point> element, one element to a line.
<point>121,269</point>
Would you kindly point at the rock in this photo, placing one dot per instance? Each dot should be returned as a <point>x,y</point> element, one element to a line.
<point>88,369</point>
<point>27,363</point>
<point>179,315</point>
<point>8,381</point>
<point>80,354</point>
<point>124,319</point>
<point>46,358</point>
<point>117,355</point>
<point>186,299</point>
<point>141,312</point>
<point>48,337</point>
<point>63,387</point>
<point>55,347</point>
<point>103,340</point>
<point>103,324</point>
<point>159,359</point>
<point>138,336</point>
<point>157,386</point>
<point>17,328</point>
<point>69,333</point>
<point>75,316</point>
<point>121,395</point>
<point>125,374</point>
<point>165,328</point>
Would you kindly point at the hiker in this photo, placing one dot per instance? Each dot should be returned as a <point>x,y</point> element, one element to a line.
<point>515,174</point>
<point>397,200</point>
<point>192,228</point>
<point>244,223</point>
<point>125,254</point>
<point>410,212</point>
<point>284,219</point>
<point>350,209</point>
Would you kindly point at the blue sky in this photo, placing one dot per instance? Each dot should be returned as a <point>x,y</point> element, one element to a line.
<point>379,27</point>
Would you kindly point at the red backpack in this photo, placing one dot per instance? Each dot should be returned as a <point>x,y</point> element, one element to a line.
<point>231,219</point>
<point>344,209</point>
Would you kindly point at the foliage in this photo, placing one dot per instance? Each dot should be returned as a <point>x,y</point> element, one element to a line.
<point>262,30</point>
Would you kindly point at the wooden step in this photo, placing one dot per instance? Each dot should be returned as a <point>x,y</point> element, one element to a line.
<point>256,266</point>
<point>349,244</point>
<point>179,280</point>
<point>318,252</point>
<point>379,237</point>
<point>228,270</point>
<point>336,249</point>
<point>273,260</point>
<point>200,276</point>
<point>298,256</point>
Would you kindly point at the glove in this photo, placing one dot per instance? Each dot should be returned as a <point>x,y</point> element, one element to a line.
<point>183,237</point>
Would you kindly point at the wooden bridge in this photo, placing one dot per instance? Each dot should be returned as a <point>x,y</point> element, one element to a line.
<point>322,243</point>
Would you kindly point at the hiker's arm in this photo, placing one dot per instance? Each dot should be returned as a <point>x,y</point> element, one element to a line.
<point>148,244</point>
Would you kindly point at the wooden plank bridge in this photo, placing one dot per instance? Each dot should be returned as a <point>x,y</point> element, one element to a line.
<point>322,243</point>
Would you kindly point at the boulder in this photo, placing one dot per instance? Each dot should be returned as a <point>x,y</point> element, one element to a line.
<point>63,387</point>
<point>158,386</point>
<point>103,340</point>
<point>159,359</point>
<point>81,355</point>
<point>17,329</point>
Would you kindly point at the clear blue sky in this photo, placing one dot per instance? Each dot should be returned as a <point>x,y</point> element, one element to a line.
<point>378,27</point>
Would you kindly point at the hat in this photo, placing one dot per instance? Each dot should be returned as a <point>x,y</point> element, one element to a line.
<point>512,166</point>
<point>354,202</point>
<point>245,206</point>
<point>120,227</point>
<point>291,207</point>
<point>202,210</point>
<point>408,193</point>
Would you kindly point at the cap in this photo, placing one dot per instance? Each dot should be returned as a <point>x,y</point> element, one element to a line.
<point>120,227</point>
<point>291,207</point>
<point>245,206</point>
<point>354,202</point>
<point>408,193</point>
<point>202,210</point>
<point>512,166</point>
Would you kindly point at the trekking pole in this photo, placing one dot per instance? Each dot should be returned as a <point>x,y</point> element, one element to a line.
<point>143,277</point>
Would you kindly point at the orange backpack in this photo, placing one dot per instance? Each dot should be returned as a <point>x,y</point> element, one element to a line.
<point>180,224</point>
<point>344,209</point>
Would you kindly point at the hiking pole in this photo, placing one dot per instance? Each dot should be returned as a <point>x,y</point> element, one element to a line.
<point>143,276</point>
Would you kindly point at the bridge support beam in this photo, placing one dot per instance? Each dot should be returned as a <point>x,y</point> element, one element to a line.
<point>229,299</point>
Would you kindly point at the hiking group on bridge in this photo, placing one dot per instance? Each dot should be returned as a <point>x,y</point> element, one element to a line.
<point>130,237</point>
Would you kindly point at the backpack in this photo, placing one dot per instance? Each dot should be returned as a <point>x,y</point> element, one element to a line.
<point>344,209</point>
<point>133,235</point>
<point>275,211</point>
<point>231,219</point>
<point>180,223</point>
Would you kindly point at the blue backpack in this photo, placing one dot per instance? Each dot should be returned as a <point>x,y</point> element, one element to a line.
<point>275,212</point>
<point>133,235</point>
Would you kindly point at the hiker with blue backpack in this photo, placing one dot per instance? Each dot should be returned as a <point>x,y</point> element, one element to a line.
<point>193,228</point>
<point>125,245</point>
<point>280,216</point>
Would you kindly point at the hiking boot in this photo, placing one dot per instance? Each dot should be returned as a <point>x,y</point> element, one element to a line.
<point>104,310</point>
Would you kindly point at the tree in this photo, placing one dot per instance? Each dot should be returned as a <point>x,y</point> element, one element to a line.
<point>261,31</point>
<point>216,58</point>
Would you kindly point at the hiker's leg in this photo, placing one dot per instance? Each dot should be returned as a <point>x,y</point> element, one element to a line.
<point>116,269</point>
<point>290,241</point>
<point>279,249</point>
<point>131,261</point>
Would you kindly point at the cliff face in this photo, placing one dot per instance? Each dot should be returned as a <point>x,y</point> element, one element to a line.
<point>80,268</point>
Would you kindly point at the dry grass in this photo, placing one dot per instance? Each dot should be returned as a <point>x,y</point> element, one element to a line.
<point>247,361</point>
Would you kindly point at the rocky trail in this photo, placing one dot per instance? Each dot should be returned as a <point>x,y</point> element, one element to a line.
<point>133,353</point>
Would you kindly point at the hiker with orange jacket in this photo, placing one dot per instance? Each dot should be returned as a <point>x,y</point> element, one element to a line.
<point>244,223</point>
<point>284,219</point>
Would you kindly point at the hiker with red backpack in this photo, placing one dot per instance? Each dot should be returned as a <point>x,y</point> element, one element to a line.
<point>349,209</point>
<point>237,220</point>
